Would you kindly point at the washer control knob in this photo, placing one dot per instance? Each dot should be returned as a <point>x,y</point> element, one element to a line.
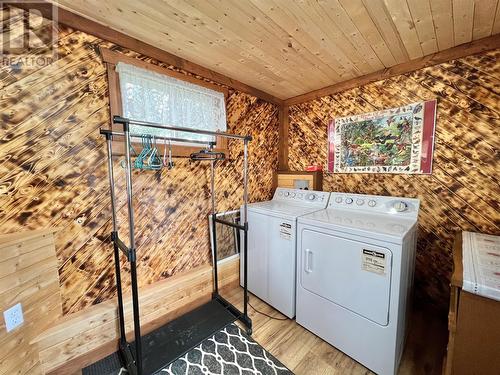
<point>338,199</point>
<point>287,193</point>
<point>360,202</point>
<point>292,195</point>
<point>301,195</point>
<point>372,203</point>
<point>311,197</point>
<point>400,206</point>
<point>349,200</point>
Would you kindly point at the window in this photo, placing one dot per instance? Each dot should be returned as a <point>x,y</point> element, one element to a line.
<point>147,92</point>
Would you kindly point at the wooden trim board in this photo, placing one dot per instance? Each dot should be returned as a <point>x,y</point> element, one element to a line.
<point>112,57</point>
<point>283,138</point>
<point>462,50</point>
<point>78,22</point>
<point>79,339</point>
<point>458,268</point>
<point>8,238</point>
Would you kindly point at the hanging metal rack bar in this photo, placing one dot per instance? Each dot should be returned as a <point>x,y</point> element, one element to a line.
<point>132,354</point>
<point>157,137</point>
<point>124,121</point>
<point>228,223</point>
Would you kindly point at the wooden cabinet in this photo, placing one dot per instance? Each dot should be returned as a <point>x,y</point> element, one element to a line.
<point>474,327</point>
<point>289,179</point>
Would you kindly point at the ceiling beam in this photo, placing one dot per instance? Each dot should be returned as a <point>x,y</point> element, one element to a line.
<point>75,21</point>
<point>462,50</point>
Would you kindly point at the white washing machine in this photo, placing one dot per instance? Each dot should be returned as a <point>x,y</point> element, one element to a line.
<point>355,265</point>
<point>272,245</point>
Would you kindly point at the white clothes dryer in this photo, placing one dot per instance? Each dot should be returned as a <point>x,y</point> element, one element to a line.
<point>355,265</point>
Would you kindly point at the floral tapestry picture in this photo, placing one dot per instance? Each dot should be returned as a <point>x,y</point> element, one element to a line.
<point>396,140</point>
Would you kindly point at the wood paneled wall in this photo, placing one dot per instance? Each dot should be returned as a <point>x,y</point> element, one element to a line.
<point>462,192</point>
<point>53,173</point>
<point>28,275</point>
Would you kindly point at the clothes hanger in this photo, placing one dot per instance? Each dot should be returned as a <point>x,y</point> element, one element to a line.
<point>133,153</point>
<point>207,154</point>
<point>165,152</point>
<point>170,163</point>
<point>154,162</point>
<point>139,161</point>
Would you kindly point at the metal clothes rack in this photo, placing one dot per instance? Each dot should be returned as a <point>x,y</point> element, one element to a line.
<point>132,354</point>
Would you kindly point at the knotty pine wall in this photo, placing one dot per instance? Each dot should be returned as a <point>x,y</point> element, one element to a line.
<point>462,192</point>
<point>53,173</point>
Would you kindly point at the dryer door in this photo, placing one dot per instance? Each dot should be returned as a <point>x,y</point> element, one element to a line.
<point>353,274</point>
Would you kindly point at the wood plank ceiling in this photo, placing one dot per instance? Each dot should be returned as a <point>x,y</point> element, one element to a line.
<point>291,47</point>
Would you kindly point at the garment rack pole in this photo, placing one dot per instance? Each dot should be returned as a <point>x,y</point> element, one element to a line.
<point>245,232</point>
<point>214,227</point>
<point>132,253</point>
<point>134,362</point>
<point>114,235</point>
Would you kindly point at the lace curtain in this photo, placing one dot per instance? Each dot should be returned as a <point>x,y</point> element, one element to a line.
<point>158,98</point>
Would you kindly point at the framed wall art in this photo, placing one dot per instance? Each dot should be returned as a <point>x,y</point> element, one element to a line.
<point>396,140</point>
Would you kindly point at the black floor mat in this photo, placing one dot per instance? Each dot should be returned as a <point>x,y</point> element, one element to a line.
<point>228,352</point>
<point>171,341</point>
<point>168,343</point>
<point>107,366</point>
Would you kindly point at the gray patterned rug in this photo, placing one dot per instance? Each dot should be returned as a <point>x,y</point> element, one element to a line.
<point>229,352</point>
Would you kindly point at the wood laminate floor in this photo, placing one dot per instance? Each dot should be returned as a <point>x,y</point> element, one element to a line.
<point>304,353</point>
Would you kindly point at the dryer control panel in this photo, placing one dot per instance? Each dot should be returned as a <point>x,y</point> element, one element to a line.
<point>312,197</point>
<point>407,207</point>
